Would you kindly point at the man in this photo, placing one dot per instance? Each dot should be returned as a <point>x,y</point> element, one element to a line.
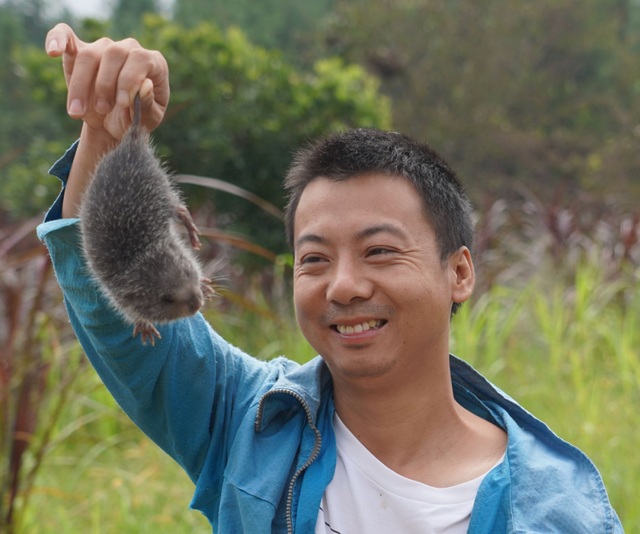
<point>385,432</point>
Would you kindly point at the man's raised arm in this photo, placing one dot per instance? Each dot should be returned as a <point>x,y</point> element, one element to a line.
<point>189,392</point>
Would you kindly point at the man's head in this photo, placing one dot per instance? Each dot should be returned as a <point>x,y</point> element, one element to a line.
<point>374,278</point>
<point>365,151</point>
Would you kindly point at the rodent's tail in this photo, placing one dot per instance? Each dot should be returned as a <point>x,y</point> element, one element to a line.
<point>136,110</point>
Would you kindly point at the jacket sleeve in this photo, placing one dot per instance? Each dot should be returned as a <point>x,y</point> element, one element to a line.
<point>189,392</point>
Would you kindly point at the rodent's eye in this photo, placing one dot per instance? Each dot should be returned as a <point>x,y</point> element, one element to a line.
<point>167,299</point>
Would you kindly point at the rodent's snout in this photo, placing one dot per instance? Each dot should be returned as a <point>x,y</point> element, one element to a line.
<point>183,303</point>
<point>196,302</point>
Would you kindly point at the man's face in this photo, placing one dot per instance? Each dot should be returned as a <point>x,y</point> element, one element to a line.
<point>370,292</point>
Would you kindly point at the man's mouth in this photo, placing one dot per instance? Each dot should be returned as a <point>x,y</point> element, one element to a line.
<point>372,324</point>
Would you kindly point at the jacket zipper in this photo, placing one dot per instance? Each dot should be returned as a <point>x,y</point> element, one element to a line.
<point>312,456</point>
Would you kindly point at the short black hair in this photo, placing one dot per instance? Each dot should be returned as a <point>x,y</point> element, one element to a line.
<point>366,150</point>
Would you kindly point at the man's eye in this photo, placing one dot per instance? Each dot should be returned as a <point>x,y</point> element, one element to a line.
<point>311,259</point>
<point>378,250</point>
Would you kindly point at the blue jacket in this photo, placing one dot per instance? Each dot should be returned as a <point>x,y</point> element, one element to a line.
<point>257,438</point>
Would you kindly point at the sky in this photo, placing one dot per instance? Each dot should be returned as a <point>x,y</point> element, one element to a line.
<point>90,8</point>
<point>87,8</point>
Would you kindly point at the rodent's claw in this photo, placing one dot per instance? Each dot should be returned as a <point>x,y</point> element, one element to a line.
<point>185,217</point>
<point>207,290</point>
<point>147,331</point>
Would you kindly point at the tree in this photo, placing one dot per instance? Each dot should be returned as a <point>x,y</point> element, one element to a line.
<point>237,113</point>
<point>27,117</point>
<point>283,24</point>
<point>127,16</point>
<point>27,15</point>
<point>538,93</point>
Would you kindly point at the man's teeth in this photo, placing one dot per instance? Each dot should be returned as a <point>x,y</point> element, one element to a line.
<point>363,327</point>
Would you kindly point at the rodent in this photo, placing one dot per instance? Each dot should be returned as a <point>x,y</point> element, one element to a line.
<point>128,219</point>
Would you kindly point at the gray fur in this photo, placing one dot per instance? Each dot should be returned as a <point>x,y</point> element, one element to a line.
<point>130,238</point>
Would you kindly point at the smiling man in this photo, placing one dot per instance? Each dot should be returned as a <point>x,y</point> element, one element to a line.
<point>383,432</point>
<point>373,295</point>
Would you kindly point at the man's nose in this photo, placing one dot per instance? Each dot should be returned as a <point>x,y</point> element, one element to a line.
<point>348,282</point>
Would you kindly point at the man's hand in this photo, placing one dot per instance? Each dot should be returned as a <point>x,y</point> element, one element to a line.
<point>104,77</point>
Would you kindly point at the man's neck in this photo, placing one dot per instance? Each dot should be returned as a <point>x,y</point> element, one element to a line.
<point>415,427</point>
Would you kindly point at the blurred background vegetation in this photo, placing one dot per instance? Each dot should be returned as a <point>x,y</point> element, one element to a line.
<point>535,104</point>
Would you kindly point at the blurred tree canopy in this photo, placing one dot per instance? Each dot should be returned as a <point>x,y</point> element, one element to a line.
<point>29,125</point>
<point>237,113</point>
<point>538,93</point>
<point>283,24</point>
<point>127,15</point>
<point>542,94</point>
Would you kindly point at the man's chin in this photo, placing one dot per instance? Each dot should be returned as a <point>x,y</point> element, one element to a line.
<point>359,367</point>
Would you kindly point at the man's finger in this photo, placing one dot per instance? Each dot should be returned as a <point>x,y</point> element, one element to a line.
<point>146,90</point>
<point>140,65</point>
<point>85,68</point>
<point>152,113</point>
<point>61,39</point>
<point>114,57</point>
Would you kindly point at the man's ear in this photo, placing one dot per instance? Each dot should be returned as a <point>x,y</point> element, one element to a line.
<point>463,275</point>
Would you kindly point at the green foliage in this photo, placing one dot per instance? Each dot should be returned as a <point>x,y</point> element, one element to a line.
<point>28,189</point>
<point>532,92</point>
<point>127,15</point>
<point>32,112</point>
<point>90,30</point>
<point>280,24</point>
<point>237,113</point>
<point>25,20</point>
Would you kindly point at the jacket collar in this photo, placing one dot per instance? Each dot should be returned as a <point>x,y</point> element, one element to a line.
<point>303,387</point>
<point>306,382</point>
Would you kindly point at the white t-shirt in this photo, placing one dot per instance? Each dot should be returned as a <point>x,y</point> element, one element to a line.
<point>366,497</point>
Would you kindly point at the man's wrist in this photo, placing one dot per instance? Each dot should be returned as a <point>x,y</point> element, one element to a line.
<point>100,141</point>
<point>93,145</point>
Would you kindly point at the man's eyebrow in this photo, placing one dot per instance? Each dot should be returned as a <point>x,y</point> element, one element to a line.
<point>308,238</point>
<point>379,228</point>
<point>362,234</point>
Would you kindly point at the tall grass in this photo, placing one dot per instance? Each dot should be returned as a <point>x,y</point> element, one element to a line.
<point>570,355</point>
<point>566,351</point>
<point>39,360</point>
<point>554,323</point>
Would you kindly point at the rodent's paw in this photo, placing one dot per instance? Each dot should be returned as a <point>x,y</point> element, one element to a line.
<point>147,331</point>
<point>182,213</point>
<point>207,290</point>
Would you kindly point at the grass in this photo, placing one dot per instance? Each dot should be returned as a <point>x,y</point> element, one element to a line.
<point>569,355</point>
<point>566,350</point>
